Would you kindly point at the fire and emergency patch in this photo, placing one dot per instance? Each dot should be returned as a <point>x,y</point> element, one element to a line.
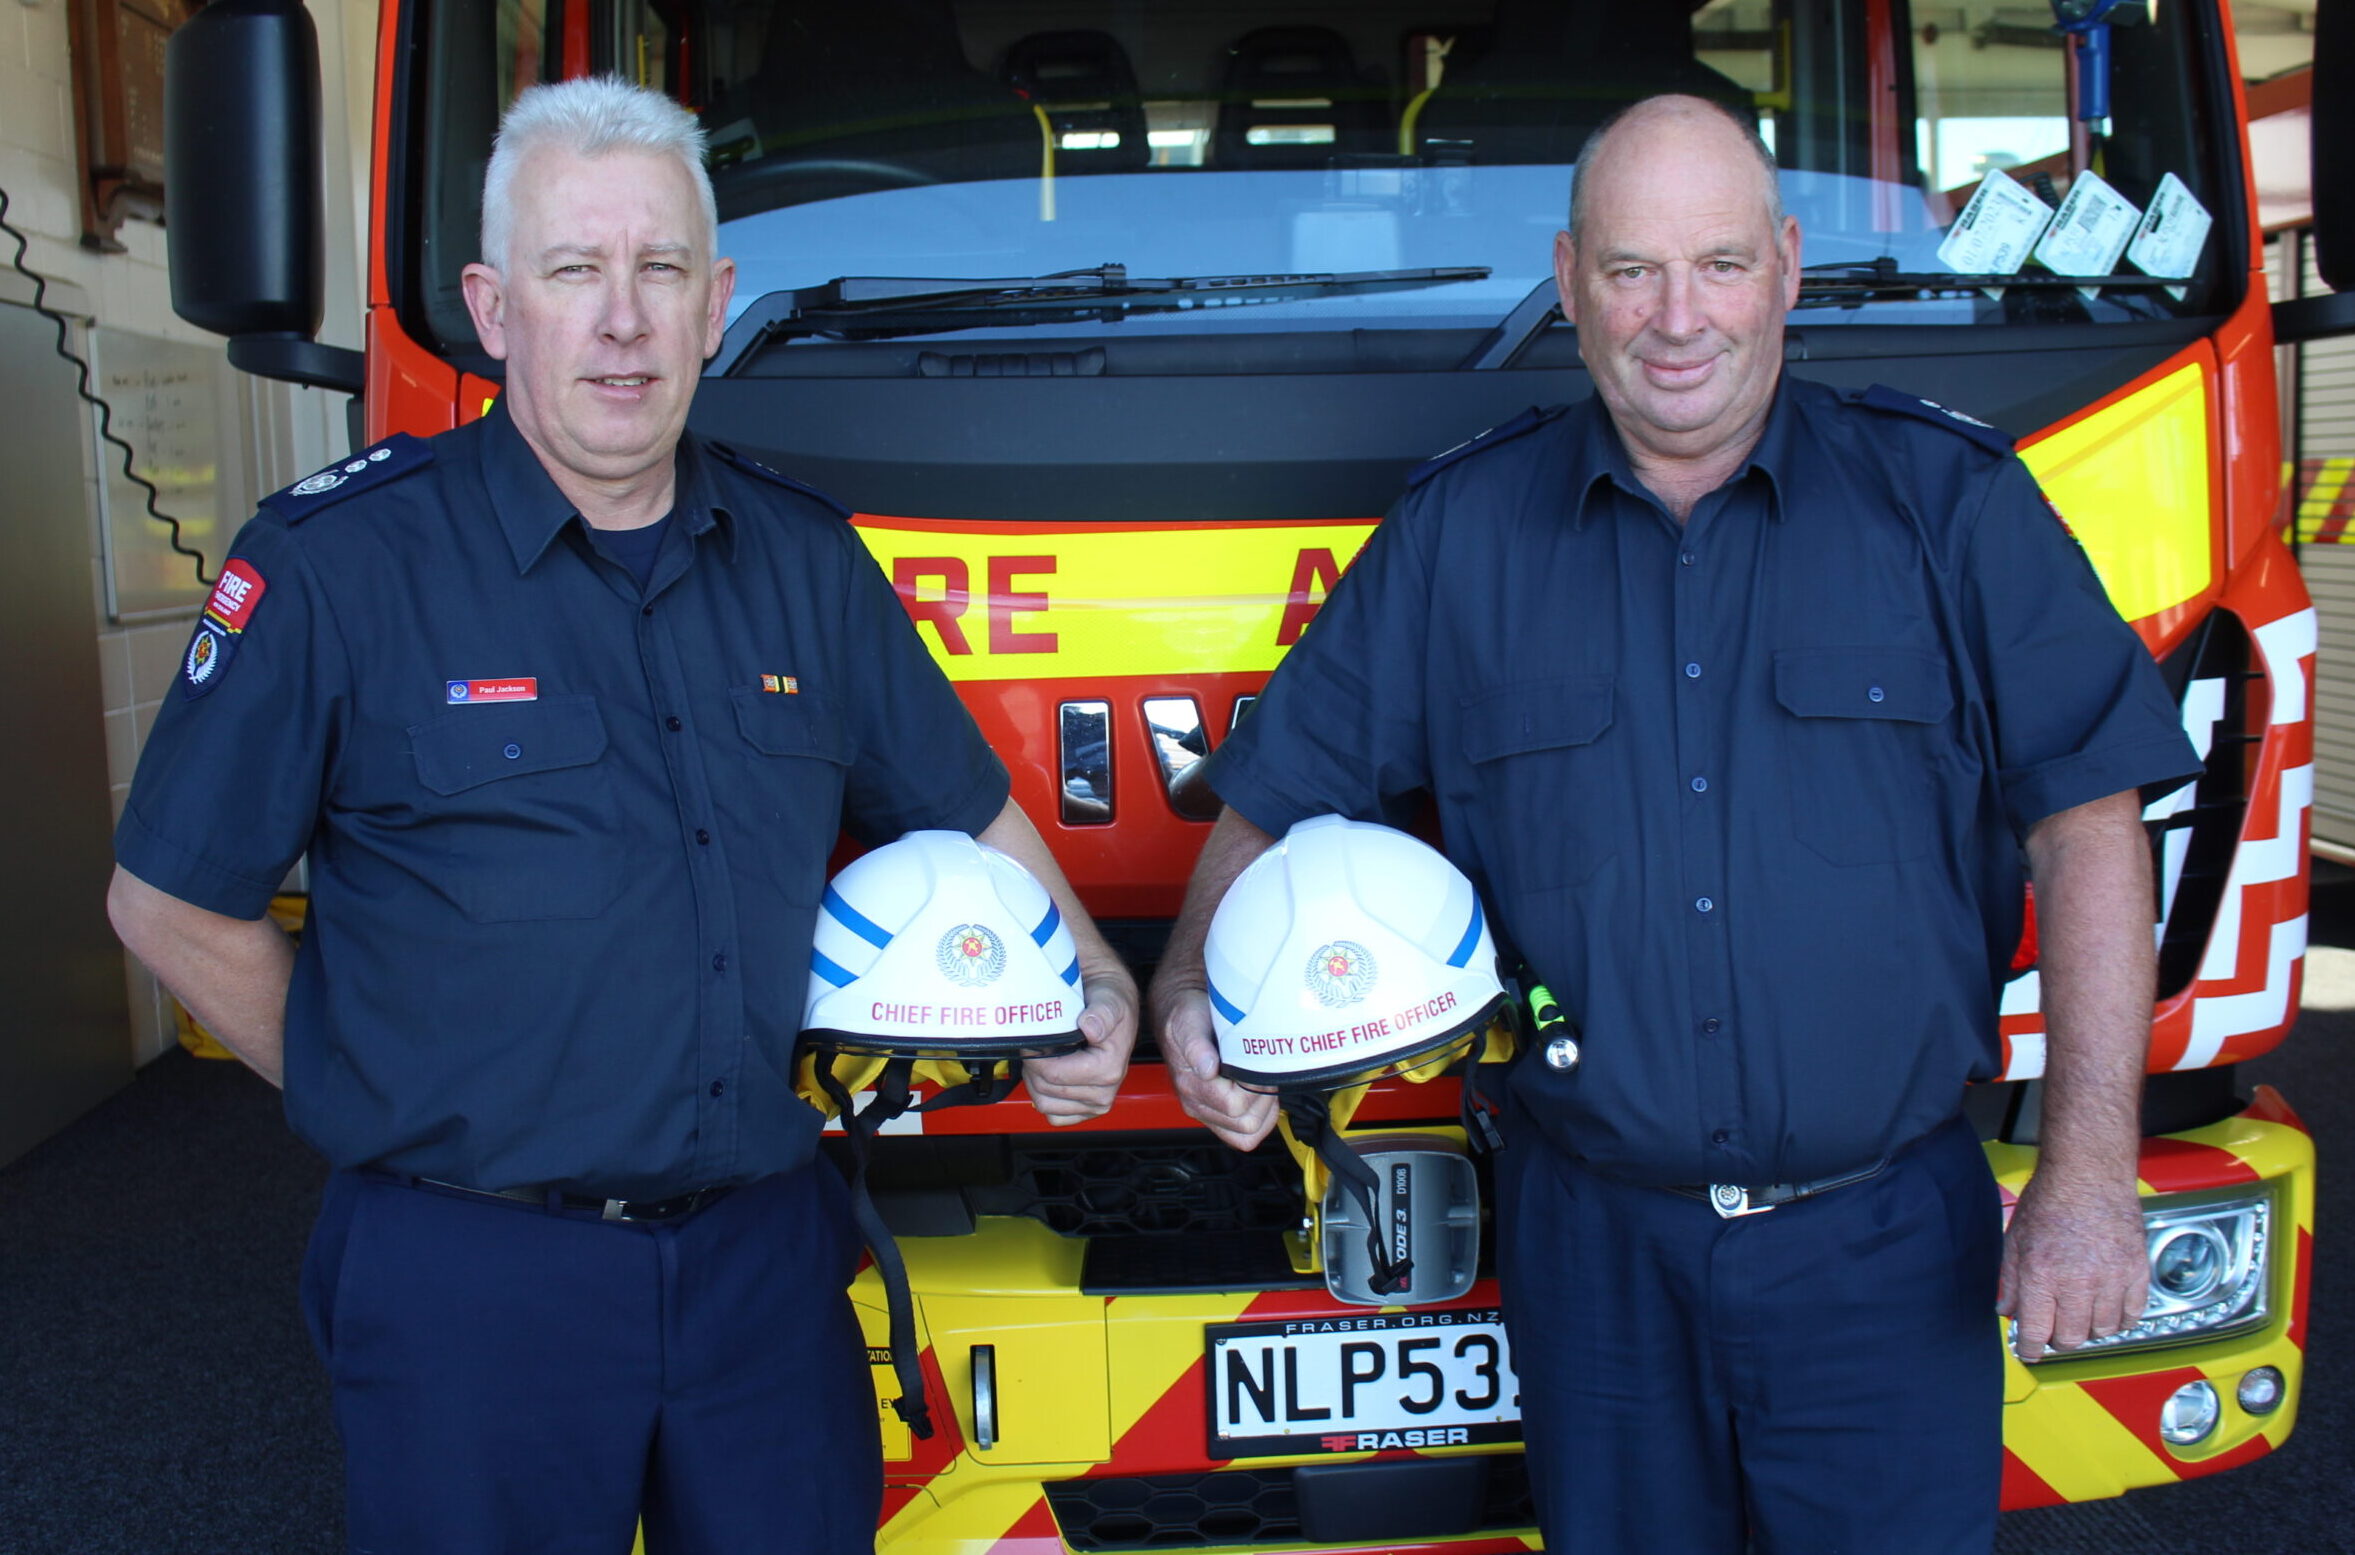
<point>236,594</point>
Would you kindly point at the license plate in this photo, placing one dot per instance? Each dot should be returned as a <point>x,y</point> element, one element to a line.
<point>1360,1383</point>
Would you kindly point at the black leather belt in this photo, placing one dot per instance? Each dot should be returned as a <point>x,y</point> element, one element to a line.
<point>1731,1199</point>
<point>556,1202</point>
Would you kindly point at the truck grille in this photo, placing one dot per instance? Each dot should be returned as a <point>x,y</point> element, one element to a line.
<point>1148,1185</point>
<point>2214,664</point>
<point>1250,1508</point>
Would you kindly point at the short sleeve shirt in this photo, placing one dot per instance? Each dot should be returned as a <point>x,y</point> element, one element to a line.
<point>1747,794</point>
<point>567,834</point>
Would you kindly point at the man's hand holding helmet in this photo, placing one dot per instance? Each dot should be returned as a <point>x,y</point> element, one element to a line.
<point>1180,999</point>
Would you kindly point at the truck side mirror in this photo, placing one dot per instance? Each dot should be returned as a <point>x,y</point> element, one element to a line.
<point>2331,122</point>
<point>2334,142</point>
<point>241,188</point>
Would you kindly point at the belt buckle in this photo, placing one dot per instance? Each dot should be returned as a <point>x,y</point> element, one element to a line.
<point>1731,1201</point>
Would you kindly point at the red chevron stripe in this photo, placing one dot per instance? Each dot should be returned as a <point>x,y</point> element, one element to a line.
<point>2268,1105</point>
<point>2136,1402</point>
<point>2179,1166</point>
<point>1035,1532</point>
<point>2023,1486</point>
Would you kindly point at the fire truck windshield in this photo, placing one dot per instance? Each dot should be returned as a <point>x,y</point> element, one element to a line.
<point>1931,156</point>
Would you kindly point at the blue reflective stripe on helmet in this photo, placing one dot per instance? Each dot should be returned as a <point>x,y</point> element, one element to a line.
<point>1471,936</point>
<point>1048,925</point>
<point>850,918</point>
<point>830,972</point>
<point>1071,972</point>
<point>1219,1002</point>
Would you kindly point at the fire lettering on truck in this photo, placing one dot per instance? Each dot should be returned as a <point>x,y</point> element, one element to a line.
<point>1314,573</point>
<point>944,612</point>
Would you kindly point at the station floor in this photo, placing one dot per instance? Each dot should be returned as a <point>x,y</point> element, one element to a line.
<point>158,1395</point>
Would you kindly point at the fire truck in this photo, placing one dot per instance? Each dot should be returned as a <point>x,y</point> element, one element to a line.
<point>1120,325</point>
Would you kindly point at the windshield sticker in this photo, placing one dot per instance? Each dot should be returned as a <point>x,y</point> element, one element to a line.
<point>1997,230</point>
<point>2089,231</point>
<point>2173,231</point>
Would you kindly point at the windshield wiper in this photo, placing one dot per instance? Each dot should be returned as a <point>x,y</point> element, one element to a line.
<point>1850,282</point>
<point>874,307</point>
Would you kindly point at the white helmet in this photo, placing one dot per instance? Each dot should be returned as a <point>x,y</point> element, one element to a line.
<point>933,950</point>
<point>936,946</point>
<point>1346,949</point>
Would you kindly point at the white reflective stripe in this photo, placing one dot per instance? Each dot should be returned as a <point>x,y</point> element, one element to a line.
<point>2174,849</point>
<point>2278,857</point>
<point>2285,644</point>
<point>2021,994</point>
<point>2229,1015</point>
<point>2027,1057</point>
<point>2203,709</point>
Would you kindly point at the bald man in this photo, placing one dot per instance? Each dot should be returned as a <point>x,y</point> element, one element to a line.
<point>1739,700</point>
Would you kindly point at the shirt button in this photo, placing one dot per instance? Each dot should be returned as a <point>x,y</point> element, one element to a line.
<point>512,752</point>
<point>1711,1025</point>
<point>1720,1137</point>
<point>1875,694</point>
<point>719,1087</point>
<point>647,611</point>
<point>703,836</point>
<point>1700,785</point>
<point>1703,904</point>
<point>1687,558</point>
<point>719,963</point>
<point>1692,672</point>
<point>673,725</point>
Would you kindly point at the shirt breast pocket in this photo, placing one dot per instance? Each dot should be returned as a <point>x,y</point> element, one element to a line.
<point>1543,781</point>
<point>787,815</point>
<point>523,820</point>
<point>1865,740</point>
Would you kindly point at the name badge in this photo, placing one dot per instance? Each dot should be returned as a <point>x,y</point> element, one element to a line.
<point>526,689</point>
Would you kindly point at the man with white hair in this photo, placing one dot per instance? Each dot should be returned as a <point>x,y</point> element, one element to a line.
<point>566,708</point>
<point>1741,700</point>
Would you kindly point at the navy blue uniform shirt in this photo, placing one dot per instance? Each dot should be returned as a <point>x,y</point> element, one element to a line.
<point>1748,793</point>
<point>567,835</point>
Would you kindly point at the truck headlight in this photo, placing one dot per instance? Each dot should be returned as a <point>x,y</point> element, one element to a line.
<point>2210,1262</point>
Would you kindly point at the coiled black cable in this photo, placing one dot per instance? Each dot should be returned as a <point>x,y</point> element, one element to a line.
<point>82,388</point>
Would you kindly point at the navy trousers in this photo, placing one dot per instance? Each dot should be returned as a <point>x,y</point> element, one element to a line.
<point>509,1381</point>
<point>1825,1378</point>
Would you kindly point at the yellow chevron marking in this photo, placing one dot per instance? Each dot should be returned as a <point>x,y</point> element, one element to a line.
<point>2132,483</point>
<point>1160,1337</point>
<point>2322,498</point>
<point>2080,1448</point>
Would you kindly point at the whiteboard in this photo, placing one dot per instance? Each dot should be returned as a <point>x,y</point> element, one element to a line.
<point>177,405</point>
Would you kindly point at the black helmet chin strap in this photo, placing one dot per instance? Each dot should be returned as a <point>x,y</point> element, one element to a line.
<point>1312,1122</point>
<point>893,1097</point>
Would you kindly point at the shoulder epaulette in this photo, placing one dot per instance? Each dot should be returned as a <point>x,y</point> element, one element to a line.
<point>758,470</point>
<point>1883,398</point>
<point>398,455</point>
<point>1504,432</point>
